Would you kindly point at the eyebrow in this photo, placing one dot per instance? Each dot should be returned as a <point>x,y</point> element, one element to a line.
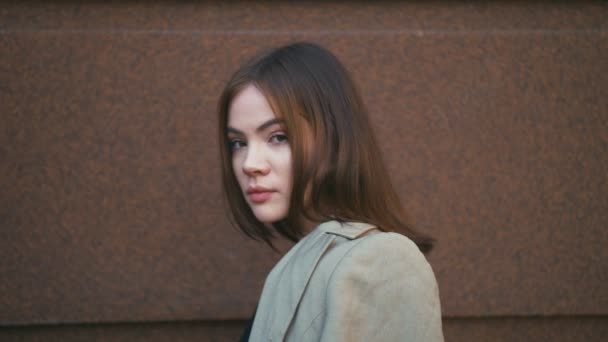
<point>260,128</point>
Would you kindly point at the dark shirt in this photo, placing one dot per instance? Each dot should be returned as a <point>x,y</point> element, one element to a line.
<point>247,331</point>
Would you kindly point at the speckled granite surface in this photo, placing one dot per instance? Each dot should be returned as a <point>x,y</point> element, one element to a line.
<point>493,120</point>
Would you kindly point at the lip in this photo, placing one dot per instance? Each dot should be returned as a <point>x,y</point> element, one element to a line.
<point>259,194</point>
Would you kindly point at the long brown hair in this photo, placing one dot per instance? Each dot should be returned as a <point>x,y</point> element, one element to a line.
<point>338,171</point>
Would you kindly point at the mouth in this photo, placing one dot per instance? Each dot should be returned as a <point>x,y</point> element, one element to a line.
<point>259,194</point>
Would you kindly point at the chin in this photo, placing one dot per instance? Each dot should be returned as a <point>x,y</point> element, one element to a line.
<point>269,216</point>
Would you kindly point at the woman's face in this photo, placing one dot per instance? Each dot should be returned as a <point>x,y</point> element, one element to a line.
<point>261,156</point>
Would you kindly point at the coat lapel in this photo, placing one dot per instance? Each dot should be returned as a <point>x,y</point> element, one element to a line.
<point>295,272</point>
<point>287,281</point>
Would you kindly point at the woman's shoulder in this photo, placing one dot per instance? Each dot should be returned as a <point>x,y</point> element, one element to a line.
<point>363,236</point>
<point>362,245</point>
<point>385,271</point>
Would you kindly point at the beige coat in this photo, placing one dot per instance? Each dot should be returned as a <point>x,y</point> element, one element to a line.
<point>350,282</point>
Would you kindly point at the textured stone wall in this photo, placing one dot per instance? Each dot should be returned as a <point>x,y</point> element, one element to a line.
<point>493,120</point>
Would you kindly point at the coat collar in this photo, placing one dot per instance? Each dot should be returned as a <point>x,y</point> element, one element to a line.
<point>349,230</point>
<point>288,280</point>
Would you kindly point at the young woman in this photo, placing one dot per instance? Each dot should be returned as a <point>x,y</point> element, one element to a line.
<point>299,159</point>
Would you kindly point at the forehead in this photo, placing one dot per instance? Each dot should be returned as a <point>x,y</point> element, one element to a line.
<point>248,109</point>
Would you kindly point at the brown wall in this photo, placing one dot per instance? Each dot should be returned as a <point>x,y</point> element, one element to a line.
<point>493,119</point>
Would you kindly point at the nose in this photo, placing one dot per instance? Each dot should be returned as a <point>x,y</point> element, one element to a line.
<point>255,162</point>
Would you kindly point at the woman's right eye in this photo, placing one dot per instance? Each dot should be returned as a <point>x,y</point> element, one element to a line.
<point>235,144</point>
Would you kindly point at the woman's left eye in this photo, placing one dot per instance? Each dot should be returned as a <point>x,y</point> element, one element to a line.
<point>278,138</point>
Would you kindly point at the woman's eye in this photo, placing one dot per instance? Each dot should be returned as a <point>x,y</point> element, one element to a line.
<point>235,144</point>
<point>278,138</point>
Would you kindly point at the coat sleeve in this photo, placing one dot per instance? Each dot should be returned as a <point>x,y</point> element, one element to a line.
<point>382,290</point>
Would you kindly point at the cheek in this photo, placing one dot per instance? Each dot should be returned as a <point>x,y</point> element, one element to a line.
<point>287,168</point>
<point>237,169</point>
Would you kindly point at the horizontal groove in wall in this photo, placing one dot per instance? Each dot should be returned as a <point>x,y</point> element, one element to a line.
<point>242,321</point>
<point>414,32</point>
